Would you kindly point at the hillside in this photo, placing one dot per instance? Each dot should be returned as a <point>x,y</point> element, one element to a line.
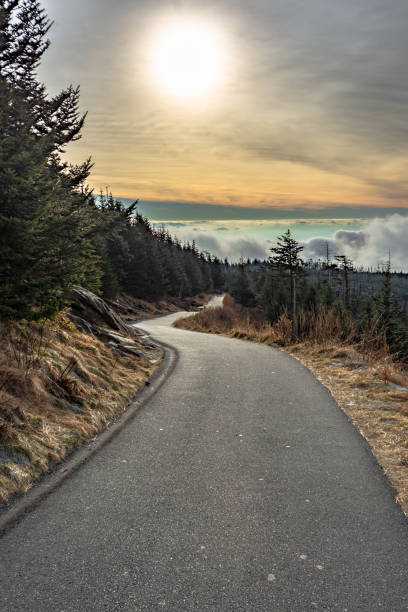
<point>60,385</point>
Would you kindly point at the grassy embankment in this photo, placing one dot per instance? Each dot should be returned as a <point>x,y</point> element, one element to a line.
<point>58,387</point>
<point>368,385</point>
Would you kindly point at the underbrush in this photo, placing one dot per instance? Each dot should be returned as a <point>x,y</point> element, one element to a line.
<point>58,386</point>
<point>369,384</point>
<point>319,327</point>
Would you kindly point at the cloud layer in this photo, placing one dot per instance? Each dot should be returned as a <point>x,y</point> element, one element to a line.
<point>312,110</point>
<point>367,247</point>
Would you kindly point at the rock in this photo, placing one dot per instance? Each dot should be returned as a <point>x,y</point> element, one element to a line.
<point>93,315</point>
<point>117,306</point>
<point>397,387</point>
<point>111,344</point>
<point>108,335</point>
<point>81,324</point>
<point>92,309</point>
<point>124,346</point>
<point>356,365</point>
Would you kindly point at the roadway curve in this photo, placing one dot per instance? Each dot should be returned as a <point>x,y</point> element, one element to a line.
<point>239,486</point>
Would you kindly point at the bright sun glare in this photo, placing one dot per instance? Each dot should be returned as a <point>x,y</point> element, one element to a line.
<point>187,59</point>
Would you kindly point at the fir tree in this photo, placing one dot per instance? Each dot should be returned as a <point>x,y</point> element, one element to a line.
<point>346,266</point>
<point>46,223</point>
<point>391,318</point>
<point>285,258</point>
<point>241,289</point>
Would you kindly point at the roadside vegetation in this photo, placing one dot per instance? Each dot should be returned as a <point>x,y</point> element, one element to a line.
<point>329,298</point>
<point>58,386</point>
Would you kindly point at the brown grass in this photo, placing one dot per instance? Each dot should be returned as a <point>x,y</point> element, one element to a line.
<point>58,387</point>
<point>369,387</point>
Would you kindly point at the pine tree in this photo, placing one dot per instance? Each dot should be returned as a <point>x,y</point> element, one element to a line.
<point>274,297</point>
<point>218,274</point>
<point>47,226</point>
<point>346,266</point>
<point>241,289</point>
<point>285,258</point>
<point>391,318</point>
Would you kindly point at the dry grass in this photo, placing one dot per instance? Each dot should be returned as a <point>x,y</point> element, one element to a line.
<point>231,319</point>
<point>374,395</point>
<point>369,387</point>
<point>58,387</point>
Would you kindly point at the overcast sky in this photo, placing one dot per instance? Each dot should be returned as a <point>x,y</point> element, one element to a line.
<point>309,110</point>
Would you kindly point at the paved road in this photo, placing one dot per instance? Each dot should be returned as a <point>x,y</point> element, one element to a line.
<point>239,486</point>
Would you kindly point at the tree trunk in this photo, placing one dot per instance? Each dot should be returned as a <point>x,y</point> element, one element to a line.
<point>293,302</point>
<point>346,287</point>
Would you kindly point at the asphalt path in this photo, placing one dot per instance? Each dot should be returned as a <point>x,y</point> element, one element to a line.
<point>239,485</point>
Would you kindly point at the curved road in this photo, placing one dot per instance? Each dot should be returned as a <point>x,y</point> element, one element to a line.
<point>239,486</point>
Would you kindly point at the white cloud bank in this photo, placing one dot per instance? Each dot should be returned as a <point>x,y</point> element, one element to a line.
<point>231,245</point>
<point>369,246</point>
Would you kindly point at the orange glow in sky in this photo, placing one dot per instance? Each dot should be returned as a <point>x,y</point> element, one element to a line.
<point>250,104</point>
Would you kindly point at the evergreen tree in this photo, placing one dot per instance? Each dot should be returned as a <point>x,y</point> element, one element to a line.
<point>346,266</point>
<point>46,221</point>
<point>390,317</point>
<point>241,289</point>
<point>218,274</point>
<point>192,268</point>
<point>274,297</point>
<point>53,232</point>
<point>326,295</point>
<point>285,258</point>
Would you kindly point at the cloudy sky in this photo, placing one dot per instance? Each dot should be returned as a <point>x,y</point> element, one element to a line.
<point>274,105</point>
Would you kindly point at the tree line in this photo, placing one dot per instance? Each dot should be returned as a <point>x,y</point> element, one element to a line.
<point>284,285</point>
<point>54,232</point>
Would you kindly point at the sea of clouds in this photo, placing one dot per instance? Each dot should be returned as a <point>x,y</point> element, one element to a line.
<point>368,247</point>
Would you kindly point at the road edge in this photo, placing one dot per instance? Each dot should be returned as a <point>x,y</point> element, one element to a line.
<point>48,482</point>
<point>392,490</point>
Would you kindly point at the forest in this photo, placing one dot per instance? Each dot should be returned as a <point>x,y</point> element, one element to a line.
<point>356,306</point>
<point>56,233</point>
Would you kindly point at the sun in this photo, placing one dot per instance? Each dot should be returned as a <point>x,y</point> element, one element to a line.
<point>187,59</point>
